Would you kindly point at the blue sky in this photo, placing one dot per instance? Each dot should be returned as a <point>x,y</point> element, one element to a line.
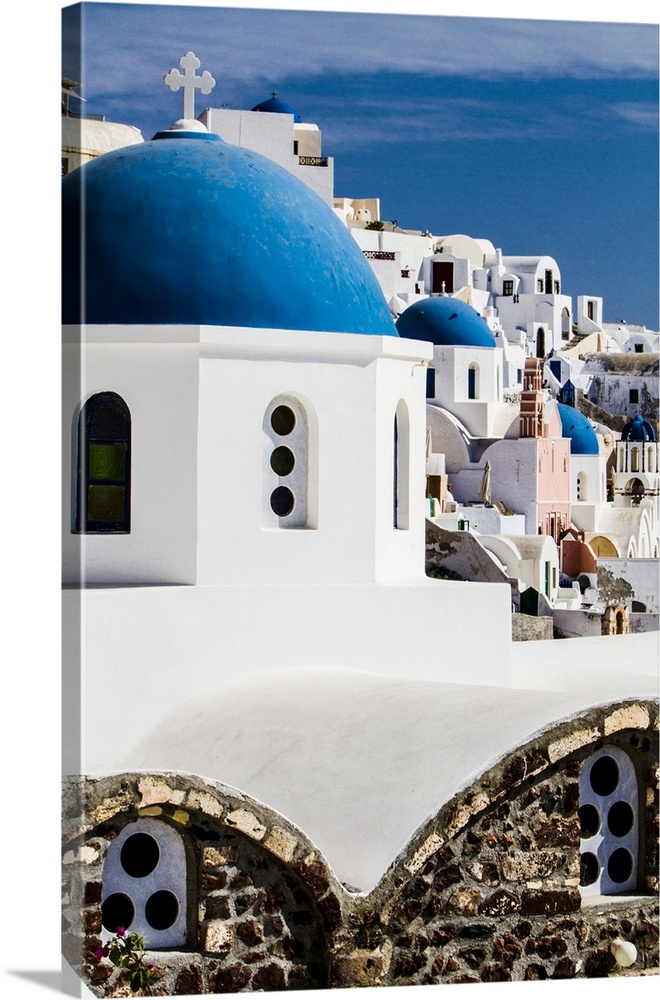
<point>540,136</point>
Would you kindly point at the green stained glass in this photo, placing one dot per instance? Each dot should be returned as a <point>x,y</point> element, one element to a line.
<point>107,461</point>
<point>105,503</point>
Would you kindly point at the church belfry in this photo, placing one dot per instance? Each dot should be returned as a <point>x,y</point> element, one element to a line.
<point>531,401</point>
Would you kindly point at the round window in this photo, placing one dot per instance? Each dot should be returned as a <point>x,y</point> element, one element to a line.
<point>139,855</point>
<point>117,911</point>
<point>161,910</point>
<point>282,501</point>
<point>604,776</point>
<point>282,461</point>
<point>589,821</point>
<point>620,819</point>
<point>282,420</point>
<point>589,868</point>
<point>620,865</point>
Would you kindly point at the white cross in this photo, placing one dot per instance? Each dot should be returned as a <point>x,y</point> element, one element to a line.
<point>189,82</point>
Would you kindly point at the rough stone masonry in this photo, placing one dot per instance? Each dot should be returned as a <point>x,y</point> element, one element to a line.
<point>486,891</point>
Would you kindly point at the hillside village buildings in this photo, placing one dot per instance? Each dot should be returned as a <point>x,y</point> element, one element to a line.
<point>299,757</point>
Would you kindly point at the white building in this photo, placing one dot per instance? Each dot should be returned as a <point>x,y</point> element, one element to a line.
<point>276,130</point>
<point>623,383</point>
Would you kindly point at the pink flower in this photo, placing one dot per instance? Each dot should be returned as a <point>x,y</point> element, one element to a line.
<point>121,931</point>
<point>101,952</point>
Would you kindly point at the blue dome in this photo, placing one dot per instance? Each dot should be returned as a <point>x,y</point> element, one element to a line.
<point>574,425</point>
<point>276,107</point>
<point>445,321</point>
<point>638,430</point>
<point>189,229</point>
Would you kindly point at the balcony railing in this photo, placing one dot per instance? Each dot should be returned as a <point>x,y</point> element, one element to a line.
<point>313,161</point>
<point>379,254</point>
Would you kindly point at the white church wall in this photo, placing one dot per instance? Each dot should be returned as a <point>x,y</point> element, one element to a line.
<point>349,387</point>
<point>158,383</point>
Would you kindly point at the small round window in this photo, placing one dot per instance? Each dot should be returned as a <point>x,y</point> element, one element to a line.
<point>283,420</point>
<point>139,855</point>
<point>282,461</point>
<point>282,501</point>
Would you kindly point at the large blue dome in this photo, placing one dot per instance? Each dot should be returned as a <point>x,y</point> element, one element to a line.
<point>189,229</point>
<point>445,321</point>
<point>574,425</point>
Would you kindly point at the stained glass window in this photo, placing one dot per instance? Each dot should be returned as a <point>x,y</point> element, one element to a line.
<point>104,465</point>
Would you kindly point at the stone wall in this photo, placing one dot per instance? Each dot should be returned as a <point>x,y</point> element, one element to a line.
<point>486,891</point>
<point>261,908</point>
<point>526,628</point>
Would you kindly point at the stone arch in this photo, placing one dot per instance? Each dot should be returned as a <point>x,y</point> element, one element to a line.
<point>485,884</point>
<point>263,900</point>
<point>615,621</point>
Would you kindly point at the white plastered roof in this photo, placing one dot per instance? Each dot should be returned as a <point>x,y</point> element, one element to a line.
<point>359,761</point>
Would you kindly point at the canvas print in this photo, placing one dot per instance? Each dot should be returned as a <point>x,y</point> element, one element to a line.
<point>360,499</point>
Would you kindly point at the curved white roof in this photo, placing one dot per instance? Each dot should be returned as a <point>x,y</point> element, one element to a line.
<point>95,137</point>
<point>359,761</point>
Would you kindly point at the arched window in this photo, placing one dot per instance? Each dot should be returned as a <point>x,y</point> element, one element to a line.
<point>609,824</point>
<point>144,885</point>
<point>650,464</point>
<point>285,464</point>
<point>103,502</point>
<point>473,381</point>
<point>401,470</point>
<point>540,342</point>
<point>634,460</point>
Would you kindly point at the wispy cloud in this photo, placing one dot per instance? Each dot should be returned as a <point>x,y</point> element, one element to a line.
<point>247,45</point>
<point>643,115</point>
<point>418,118</point>
<point>320,44</point>
<point>128,49</point>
